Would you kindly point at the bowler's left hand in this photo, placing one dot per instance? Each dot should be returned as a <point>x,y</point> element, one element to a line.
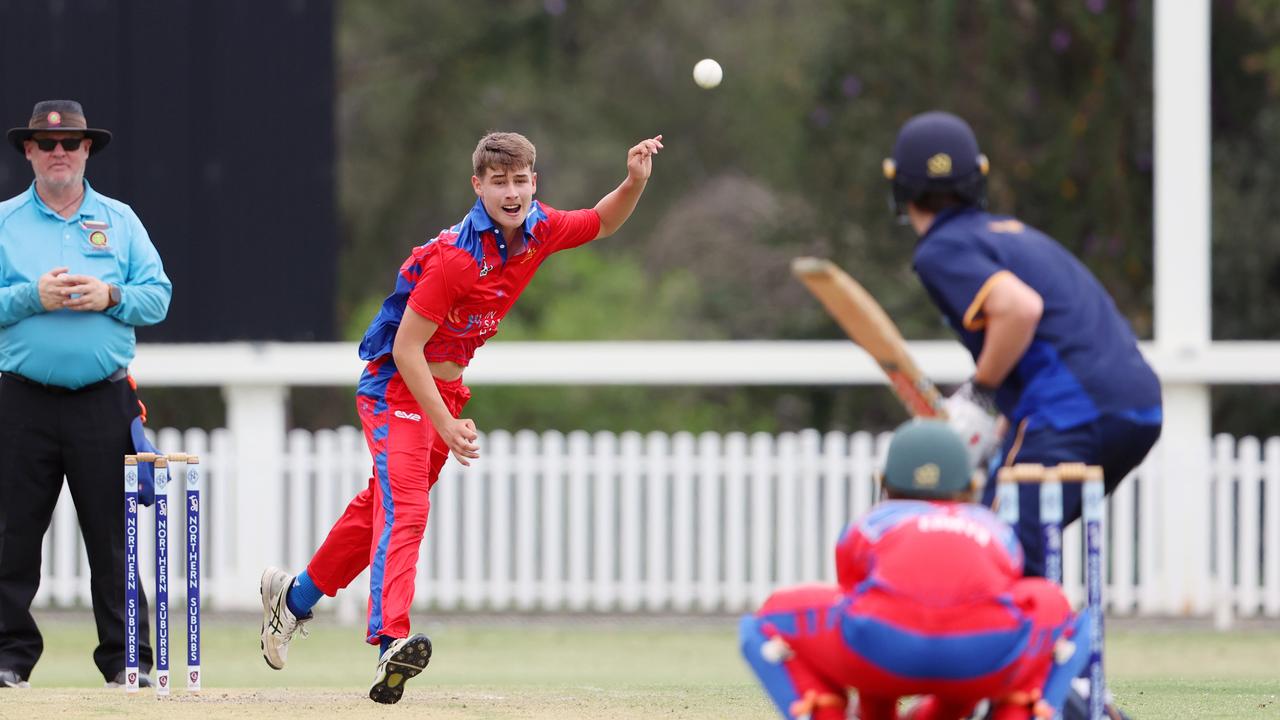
<point>85,293</point>
<point>640,158</point>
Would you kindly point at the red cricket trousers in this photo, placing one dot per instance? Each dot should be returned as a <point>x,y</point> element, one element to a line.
<point>383,526</point>
<point>826,657</point>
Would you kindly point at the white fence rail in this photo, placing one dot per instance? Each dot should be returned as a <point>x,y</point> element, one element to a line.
<point>707,523</point>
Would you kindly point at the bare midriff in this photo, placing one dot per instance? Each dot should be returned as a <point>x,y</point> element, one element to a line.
<point>446,370</point>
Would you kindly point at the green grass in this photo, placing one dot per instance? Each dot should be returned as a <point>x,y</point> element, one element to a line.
<point>1196,673</point>
<point>513,667</point>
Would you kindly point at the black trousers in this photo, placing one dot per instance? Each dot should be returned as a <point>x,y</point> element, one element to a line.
<point>43,436</point>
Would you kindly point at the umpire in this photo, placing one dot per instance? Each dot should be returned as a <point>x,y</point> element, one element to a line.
<point>77,274</point>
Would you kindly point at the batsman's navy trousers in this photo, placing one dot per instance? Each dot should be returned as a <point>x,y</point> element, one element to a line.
<point>1116,444</point>
<point>383,526</point>
<point>46,433</point>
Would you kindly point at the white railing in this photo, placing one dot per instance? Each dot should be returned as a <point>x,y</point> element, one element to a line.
<point>256,379</point>
<point>639,523</point>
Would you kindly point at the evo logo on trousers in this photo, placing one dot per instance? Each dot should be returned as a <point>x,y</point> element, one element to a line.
<point>408,416</point>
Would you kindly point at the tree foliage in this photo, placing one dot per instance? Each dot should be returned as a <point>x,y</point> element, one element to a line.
<point>782,159</point>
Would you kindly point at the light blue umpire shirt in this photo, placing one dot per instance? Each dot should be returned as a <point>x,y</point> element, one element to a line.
<point>104,239</point>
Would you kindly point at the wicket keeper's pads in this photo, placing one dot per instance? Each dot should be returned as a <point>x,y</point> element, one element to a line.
<point>146,470</point>
<point>1058,685</point>
<point>767,663</point>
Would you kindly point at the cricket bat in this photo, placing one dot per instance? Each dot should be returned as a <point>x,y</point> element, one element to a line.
<point>867,324</point>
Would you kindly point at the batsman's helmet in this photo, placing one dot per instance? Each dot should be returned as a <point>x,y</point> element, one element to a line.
<point>927,460</point>
<point>936,152</point>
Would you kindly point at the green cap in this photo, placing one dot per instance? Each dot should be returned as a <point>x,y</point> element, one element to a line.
<point>927,460</point>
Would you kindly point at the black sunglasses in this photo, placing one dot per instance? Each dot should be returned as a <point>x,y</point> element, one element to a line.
<point>68,144</point>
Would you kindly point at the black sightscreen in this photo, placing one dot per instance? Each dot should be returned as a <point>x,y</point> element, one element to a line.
<point>222,115</point>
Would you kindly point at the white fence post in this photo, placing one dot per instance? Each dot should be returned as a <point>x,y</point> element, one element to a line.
<point>1182,289</point>
<point>552,519</point>
<point>736,543</point>
<point>1271,528</point>
<point>579,543</point>
<point>839,486</point>
<point>683,477</point>
<point>498,454</point>
<point>657,577</point>
<point>631,525</point>
<point>1224,531</point>
<point>762,526</point>
<point>256,420</point>
<point>710,540</point>
<point>1248,518</point>
<point>527,476</point>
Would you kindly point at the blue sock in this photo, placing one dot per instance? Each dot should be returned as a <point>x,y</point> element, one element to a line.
<point>303,595</point>
<point>384,644</point>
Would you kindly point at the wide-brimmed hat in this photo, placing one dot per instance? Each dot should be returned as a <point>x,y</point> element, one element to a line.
<point>56,115</point>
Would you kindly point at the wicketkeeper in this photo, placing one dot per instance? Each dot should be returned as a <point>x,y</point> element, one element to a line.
<point>931,601</point>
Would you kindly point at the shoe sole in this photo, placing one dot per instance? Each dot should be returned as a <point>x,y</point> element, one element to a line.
<point>407,662</point>
<point>263,586</point>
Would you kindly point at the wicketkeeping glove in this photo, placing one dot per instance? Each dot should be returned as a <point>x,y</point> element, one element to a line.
<point>972,413</point>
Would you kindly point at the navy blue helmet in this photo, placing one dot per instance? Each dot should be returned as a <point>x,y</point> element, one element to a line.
<point>936,152</point>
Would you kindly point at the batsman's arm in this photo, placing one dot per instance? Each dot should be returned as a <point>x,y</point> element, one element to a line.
<point>1012,310</point>
<point>407,351</point>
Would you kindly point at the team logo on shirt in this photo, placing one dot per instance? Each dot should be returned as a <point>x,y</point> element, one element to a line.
<point>955,524</point>
<point>462,322</point>
<point>530,250</point>
<point>98,239</point>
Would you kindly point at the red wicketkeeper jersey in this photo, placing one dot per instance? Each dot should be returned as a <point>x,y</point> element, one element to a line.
<point>939,554</point>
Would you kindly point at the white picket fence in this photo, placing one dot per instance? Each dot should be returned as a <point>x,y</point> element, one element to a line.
<point>640,523</point>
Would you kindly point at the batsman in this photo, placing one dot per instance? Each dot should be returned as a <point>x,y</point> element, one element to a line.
<point>1053,355</point>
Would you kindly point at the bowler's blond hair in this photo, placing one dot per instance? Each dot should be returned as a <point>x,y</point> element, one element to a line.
<point>503,150</point>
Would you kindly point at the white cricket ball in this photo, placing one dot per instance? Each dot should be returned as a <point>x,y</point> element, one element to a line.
<point>707,73</point>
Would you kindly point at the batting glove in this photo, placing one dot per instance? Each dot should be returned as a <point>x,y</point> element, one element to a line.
<point>972,413</point>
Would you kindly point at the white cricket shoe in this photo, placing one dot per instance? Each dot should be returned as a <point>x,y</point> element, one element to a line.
<point>279,624</point>
<point>404,659</point>
<point>11,679</point>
